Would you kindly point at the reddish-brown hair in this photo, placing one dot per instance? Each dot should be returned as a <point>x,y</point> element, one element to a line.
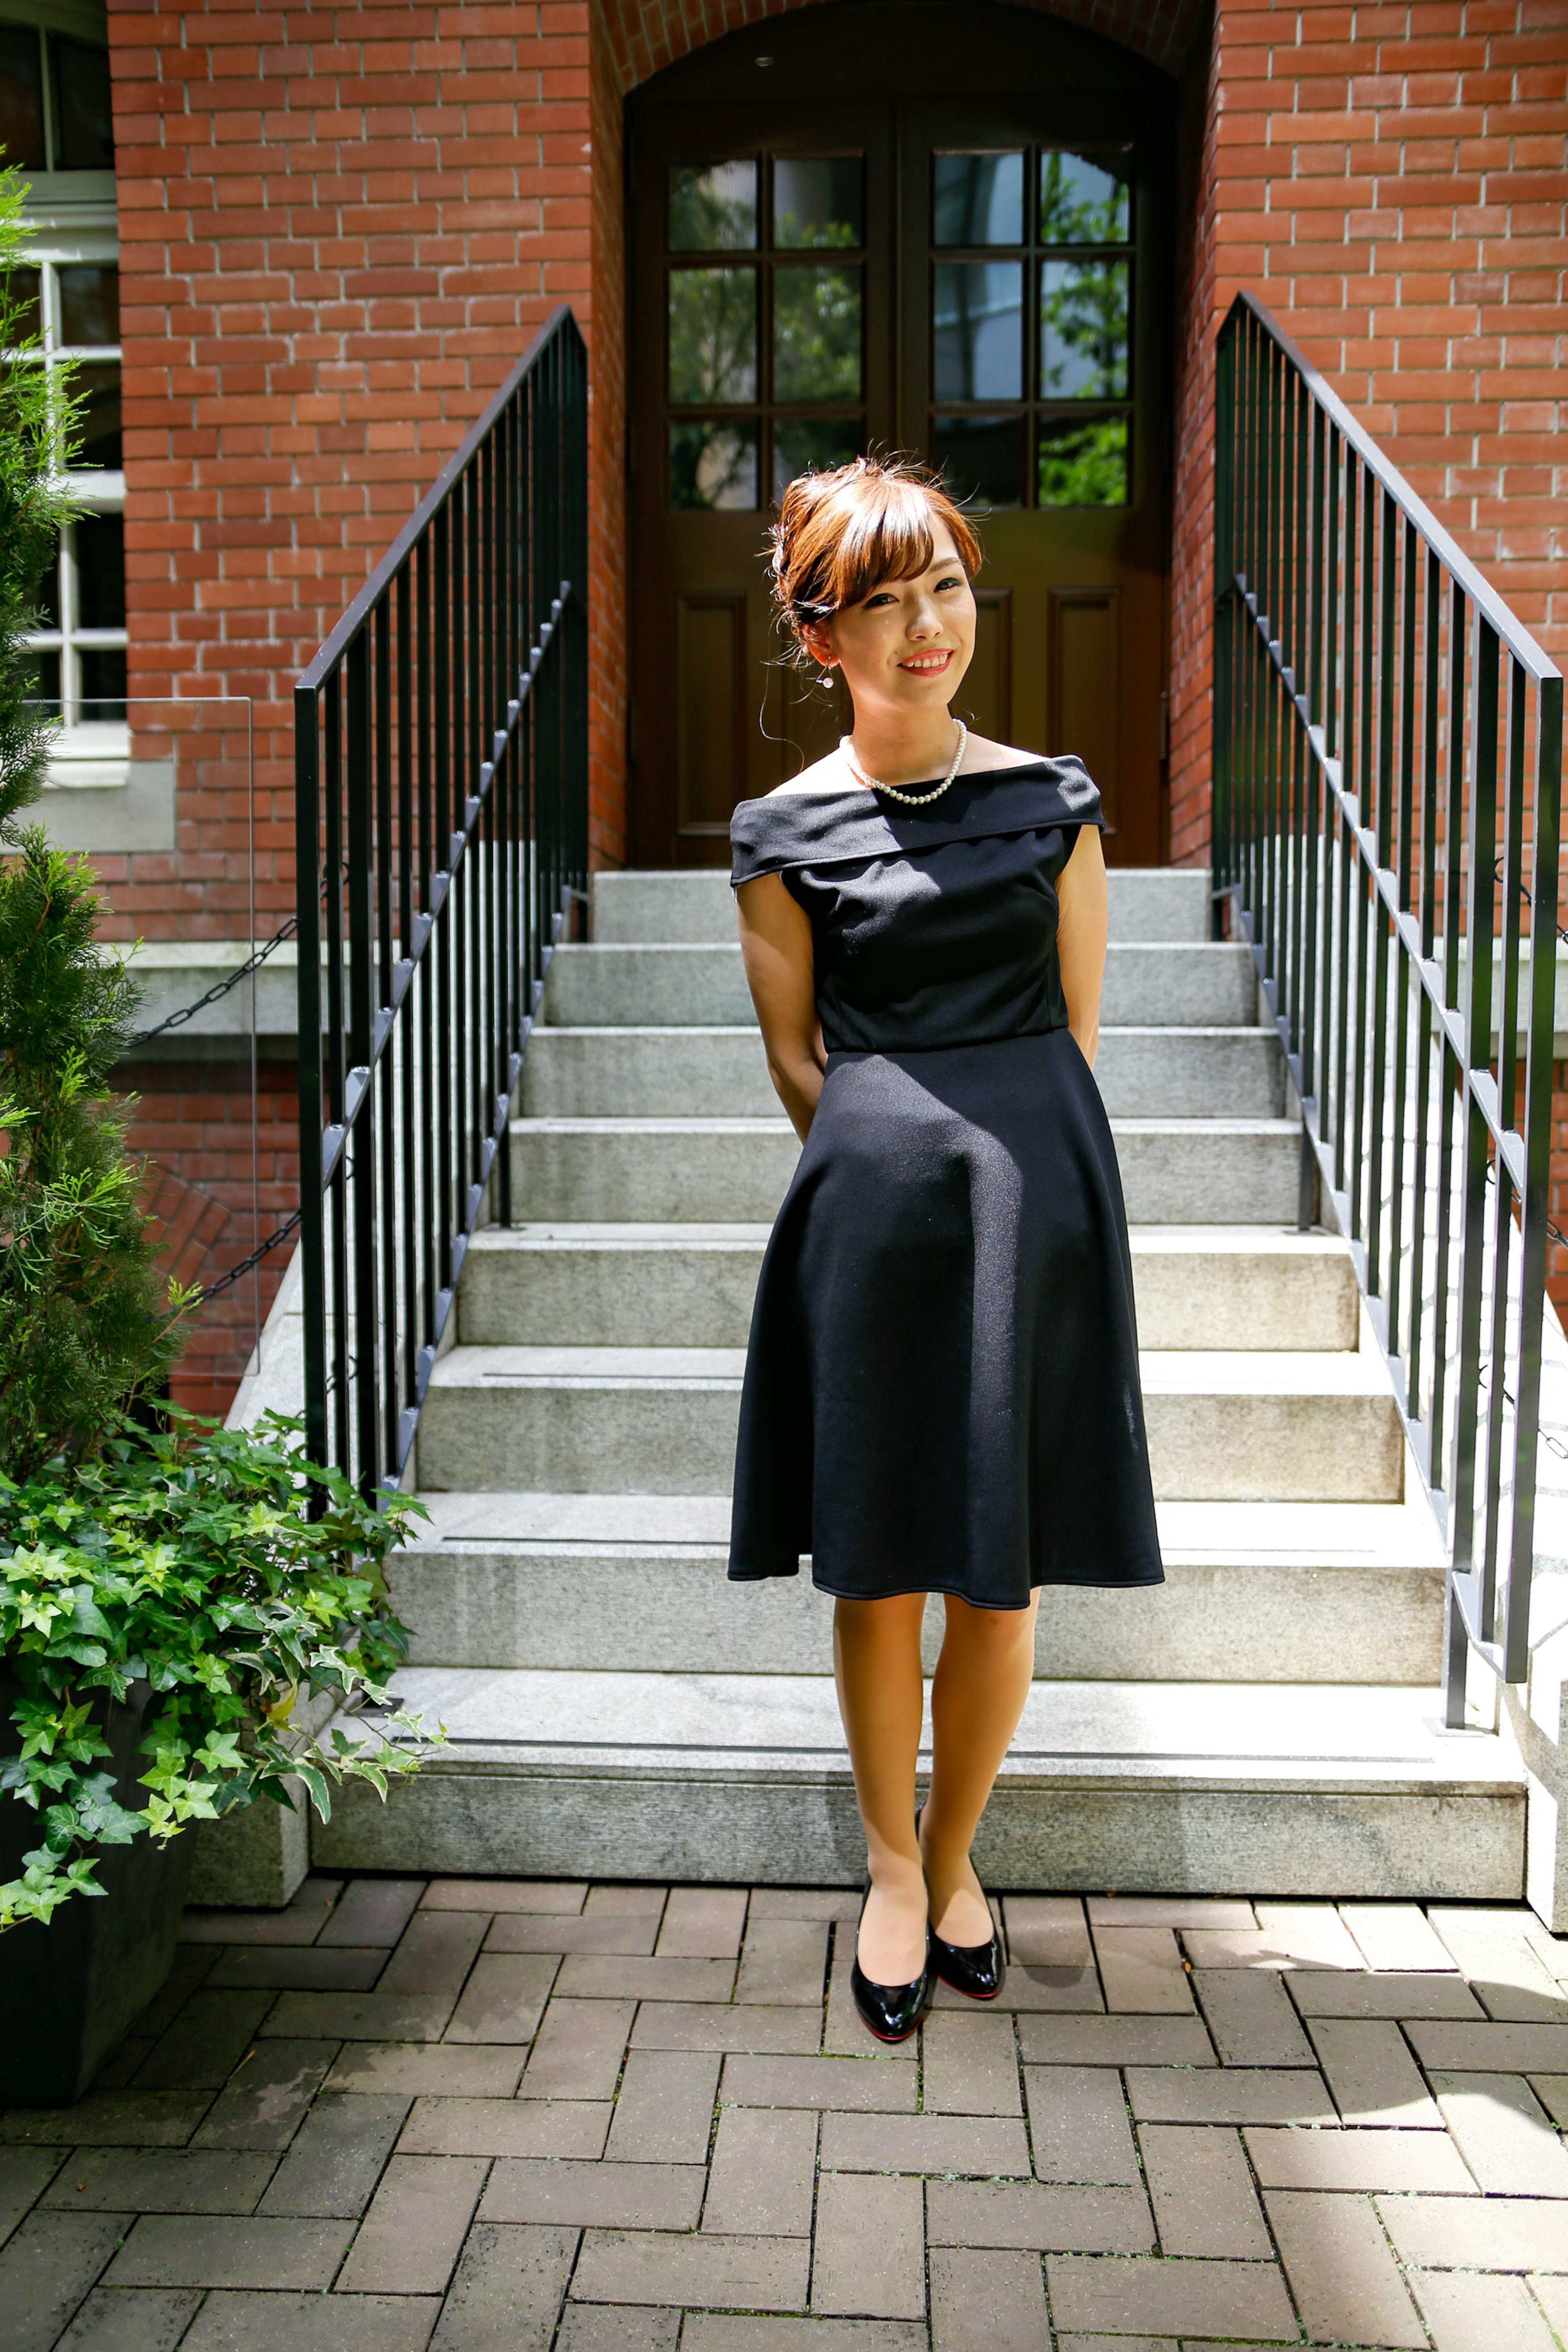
<point>840,535</point>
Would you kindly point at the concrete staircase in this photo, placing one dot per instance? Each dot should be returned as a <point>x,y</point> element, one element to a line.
<point>1269,1719</point>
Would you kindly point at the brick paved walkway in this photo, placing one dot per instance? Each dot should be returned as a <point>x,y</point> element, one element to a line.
<point>484,2114</point>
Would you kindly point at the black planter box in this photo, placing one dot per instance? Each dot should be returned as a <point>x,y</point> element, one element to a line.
<point>69,1991</point>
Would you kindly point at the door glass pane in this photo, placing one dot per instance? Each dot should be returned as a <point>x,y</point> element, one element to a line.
<point>21,98</point>
<point>816,334</point>
<point>979,200</point>
<point>712,335</point>
<point>84,119</point>
<point>98,541</point>
<point>1083,330</point>
<point>1084,200</point>
<point>978,314</point>
<point>48,667</point>
<point>981,458</point>
<point>812,444</point>
<point>1083,462</point>
<point>712,206</point>
<point>817,200</point>
<point>713,466</point>
<point>23,291</point>
<point>89,305</point>
<point>102,682</point>
<point>49,594</point>
<point>100,415</point>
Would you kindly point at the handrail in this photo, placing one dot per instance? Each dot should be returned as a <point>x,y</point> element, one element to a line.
<point>1364,731</point>
<point>440,749</point>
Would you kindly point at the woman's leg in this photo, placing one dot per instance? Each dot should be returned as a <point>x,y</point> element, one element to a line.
<point>982,1681</point>
<point>876,1663</point>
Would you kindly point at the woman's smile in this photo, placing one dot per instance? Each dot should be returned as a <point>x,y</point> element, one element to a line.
<point>928,664</point>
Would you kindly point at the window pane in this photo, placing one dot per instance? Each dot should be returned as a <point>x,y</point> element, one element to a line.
<point>22,295</point>
<point>47,668</point>
<point>89,304</point>
<point>1083,329</point>
<point>713,466</point>
<point>100,540</point>
<point>812,444</point>
<point>712,206</point>
<point>82,113</point>
<point>21,98</point>
<point>49,594</point>
<point>979,319</point>
<point>979,200</point>
<point>816,334</point>
<point>981,458</point>
<point>100,415</point>
<point>817,200</point>
<point>712,334</point>
<point>102,682</point>
<point>1084,200</point>
<point>1083,464</point>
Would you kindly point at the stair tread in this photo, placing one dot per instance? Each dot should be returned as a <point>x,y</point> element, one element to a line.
<point>1165,1240</point>
<point>755,1125</point>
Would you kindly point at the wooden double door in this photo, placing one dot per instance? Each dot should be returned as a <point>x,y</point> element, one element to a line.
<point>941,228</point>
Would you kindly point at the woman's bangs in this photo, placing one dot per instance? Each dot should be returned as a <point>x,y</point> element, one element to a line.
<point>890,540</point>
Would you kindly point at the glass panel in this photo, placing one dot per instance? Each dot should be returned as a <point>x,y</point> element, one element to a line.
<point>1084,200</point>
<point>816,334</point>
<point>812,444</point>
<point>47,668</point>
<point>22,292</point>
<point>817,200</point>
<point>712,334</point>
<point>49,594</point>
<point>89,305</point>
<point>713,466</point>
<point>712,207</point>
<point>100,415</point>
<point>981,458</point>
<point>21,98</point>
<point>99,543</point>
<point>979,200</point>
<point>82,111</point>
<point>978,313</point>
<point>1083,329</point>
<point>102,682</point>
<point>1083,464</point>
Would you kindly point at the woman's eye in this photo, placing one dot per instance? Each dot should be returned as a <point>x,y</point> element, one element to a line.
<point>872,602</point>
<point>956,582</point>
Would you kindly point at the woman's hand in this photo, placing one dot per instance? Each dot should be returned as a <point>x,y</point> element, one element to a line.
<point>1080,938</point>
<point>775,945</point>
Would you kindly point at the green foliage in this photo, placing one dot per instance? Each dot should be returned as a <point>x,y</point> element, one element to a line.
<point>188,1562</point>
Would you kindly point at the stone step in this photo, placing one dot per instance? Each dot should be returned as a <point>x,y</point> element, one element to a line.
<point>691,1073</point>
<point>674,907</point>
<point>657,1285</point>
<point>1222,1172</point>
<point>1279,1427</point>
<point>1165,1788</point>
<point>1190,984</point>
<point>1289,1591</point>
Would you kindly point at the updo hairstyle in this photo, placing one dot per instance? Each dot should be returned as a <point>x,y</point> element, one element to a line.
<point>841,535</point>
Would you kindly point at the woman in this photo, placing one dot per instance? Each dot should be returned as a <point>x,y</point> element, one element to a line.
<point>942,1389</point>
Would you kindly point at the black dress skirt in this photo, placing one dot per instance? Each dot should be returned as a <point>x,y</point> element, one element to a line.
<point>942,1389</point>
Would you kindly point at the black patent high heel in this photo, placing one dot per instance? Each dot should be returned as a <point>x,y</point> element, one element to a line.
<point>973,1970</point>
<point>890,2011</point>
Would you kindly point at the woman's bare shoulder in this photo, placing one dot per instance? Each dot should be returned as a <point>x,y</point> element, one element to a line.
<point>980,752</point>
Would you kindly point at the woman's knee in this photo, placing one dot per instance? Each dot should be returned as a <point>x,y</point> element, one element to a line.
<point>999,1632</point>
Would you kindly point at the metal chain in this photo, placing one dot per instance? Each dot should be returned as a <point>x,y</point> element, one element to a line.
<point>188,1011</point>
<point>237,1273</point>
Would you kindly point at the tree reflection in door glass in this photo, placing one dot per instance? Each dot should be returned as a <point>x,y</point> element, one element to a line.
<point>1083,200</point>
<point>712,207</point>
<point>812,444</point>
<point>1083,461</point>
<point>713,466</point>
<point>712,335</point>
<point>978,200</point>
<point>1083,329</point>
<point>816,334</point>
<point>817,200</point>
<point>978,328</point>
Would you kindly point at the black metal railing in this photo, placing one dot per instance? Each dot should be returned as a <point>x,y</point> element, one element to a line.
<point>440,754</point>
<point>1377,709</point>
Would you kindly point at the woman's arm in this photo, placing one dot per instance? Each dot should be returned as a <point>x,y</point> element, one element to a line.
<point>776,944</point>
<point>1080,938</point>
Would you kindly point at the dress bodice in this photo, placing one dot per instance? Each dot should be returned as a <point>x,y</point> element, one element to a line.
<point>931,927</point>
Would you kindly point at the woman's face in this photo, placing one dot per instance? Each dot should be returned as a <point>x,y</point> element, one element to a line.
<point>904,649</point>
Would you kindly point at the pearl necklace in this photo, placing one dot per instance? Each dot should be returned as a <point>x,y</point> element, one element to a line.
<point>909,800</point>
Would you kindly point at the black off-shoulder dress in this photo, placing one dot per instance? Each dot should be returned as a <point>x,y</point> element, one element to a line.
<point>942,1388</point>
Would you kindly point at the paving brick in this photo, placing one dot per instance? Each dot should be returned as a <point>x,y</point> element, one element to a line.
<point>312,2323</point>
<point>1213,1912</point>
<point>583,2196</point>
<point>784,1961</point>
<point>1168,2297</point>
<point>1480,2315</point>
<point>1115,2041</point>
<point>1491,2049</point>
<point>735,2332</point>
<point>1201,2192</point>
<point>181,2249</point>
<point>373,1911</point>
<point>613,2328</point>
<point>206,2043</point>
<point>1552,2090</point>
<point>1552,2294</point>
<point>1248,2013</point>
<point>25,2174</point>
<point>1398,2162</point>
<point>940,2144</point>
<point>1500,2233</point>
<point>1317,1993</point>
<point>1371,2075</point>
<point>283,1969</point>
<point>870,2247</point>
<point>1499,1958</point>
<point>357,2016</point>
<point>190,1968</point>
<point>507,2291</point>
<point>587,1976</point>
<point>1345,2281</point>
<point>1078,2123</point>
<point>160,2181</point>
<point>718,2026</point>
<point>664,2109</point>
<point>496,1895</point>
<point>109,2119</point>
<point>416,2067</point>
<point>131,2319</point>
<point>578,2051</point>
<point>262,2104</point>
<point>600,1931</point>
<point>694,2271</point>
<point>1030,1986</point>
<point>1141,1971</point>
<point>703,1923</point>
<point>1027,2214</point>
<point>1505,2137</point>
<point>763,2175</point>
<point>843,2032</point>
<point>434,1952</point>
<point>627,1899</point>
<point>804,1902</point>
<point>287,1927</point>
<point>332,2168</point>
<point>414,2229</point>
<point>441,2127</point>
<point>1076,2343</point>
<point>1395,1935</point>
<point>1238,2095</point>
<point>1048,1929</point>
<point>970,2065</point>
<point>994,2299</point>
<point>853,2086</point>
<point>46,2266</point>
<point>503,1999</point>
<point>1312,1933</point>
